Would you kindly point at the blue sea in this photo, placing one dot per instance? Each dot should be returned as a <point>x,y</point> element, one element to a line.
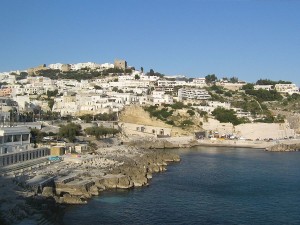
<point>209,186</point>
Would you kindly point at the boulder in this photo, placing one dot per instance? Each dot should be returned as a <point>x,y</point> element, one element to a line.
<point>48,192</point>
<point>124,182</point>
<point>94,190</point>
<point>70,199</point>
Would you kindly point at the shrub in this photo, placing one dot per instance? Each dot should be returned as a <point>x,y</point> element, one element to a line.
<point>191,112</point>
<point>186,123</point>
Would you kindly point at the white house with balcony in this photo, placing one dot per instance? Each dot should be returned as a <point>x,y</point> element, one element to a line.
<point>126,77</point>
<point>197,94</point>
<point>166,83</point>
<point>149,78</point>
<point>287,88</point>
<point>198,82</point>
<point>159,97</point>
<point>212,105</point>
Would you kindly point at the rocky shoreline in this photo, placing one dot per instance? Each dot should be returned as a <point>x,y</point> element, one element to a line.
<point>284,148</point>
<point>129,164</point>
<point>115,167</point>
<point>133,172</point>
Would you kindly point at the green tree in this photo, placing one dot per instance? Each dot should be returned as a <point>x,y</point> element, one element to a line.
<point>186,123</point>
<point>50,103</point>
<point>87,118</point>
<point>22,75</point>
<point>52,93</point>
<point>151,73</point>
<point>69,131</point>
<point>234,79</point>
<point>210,78</point>
<point>265,95</point>
<point>191,112</point>
<point>226,116</point>
<point>178,105</point>
<point>36,136</point>
<point>100,131</point>
<point>248,86</point>
<point>136,77</point>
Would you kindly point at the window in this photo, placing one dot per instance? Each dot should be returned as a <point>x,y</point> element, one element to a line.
<point>25,137</point>
<point>7,138</point>
<point>17,138</point>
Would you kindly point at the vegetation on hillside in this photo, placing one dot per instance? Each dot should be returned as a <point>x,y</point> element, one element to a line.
<point>271,82</point>
<point>228,116</point>
<point>69,131</point>
<point>83,74</point>
<point>101,131</point>
<point>99,117</point>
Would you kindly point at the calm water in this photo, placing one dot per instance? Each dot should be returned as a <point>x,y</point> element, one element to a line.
<point>209,186</point>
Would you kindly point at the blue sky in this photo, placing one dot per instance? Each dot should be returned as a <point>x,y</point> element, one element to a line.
<point>250,39</point>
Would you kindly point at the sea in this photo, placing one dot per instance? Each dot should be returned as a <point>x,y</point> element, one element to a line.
<point>211,185</point>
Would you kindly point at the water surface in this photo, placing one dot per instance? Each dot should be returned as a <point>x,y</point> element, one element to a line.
<point>209,186</point>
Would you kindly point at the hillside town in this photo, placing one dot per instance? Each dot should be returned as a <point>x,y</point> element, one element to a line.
<point>71,125</point>
<point>44,96</point>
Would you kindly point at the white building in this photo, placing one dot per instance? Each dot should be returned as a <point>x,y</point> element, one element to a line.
<point>149,78</point>
<point>88,65</point>
<point>212,105</point>
<point>166,83</point>
<point>15,146</point>
<point>159,97</point>
<point>55,66</point>
<point>199,82</point>
<point>287,88</point>
<point>264,87</point>
<point>129,83</point>
<point>199,94</point>
<point>106,66</point>
<point>126,77</point>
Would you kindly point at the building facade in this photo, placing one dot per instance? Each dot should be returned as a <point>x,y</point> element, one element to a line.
<point>120,64</point>
<point>15,146</point>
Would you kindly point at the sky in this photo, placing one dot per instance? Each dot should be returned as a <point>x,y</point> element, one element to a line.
<point>248,39</point>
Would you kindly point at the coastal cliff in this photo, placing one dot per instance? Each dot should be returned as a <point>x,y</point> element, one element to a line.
<point>132,172</point>
<point>284,147</point>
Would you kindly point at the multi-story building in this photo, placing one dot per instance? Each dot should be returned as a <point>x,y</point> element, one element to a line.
<point>4,92</point>
<point>15,146</point>
<point>166,83</point>
<point>287,88</point>
<point>199,82</point>
<point>159,97</point>
<point>198,94</point>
